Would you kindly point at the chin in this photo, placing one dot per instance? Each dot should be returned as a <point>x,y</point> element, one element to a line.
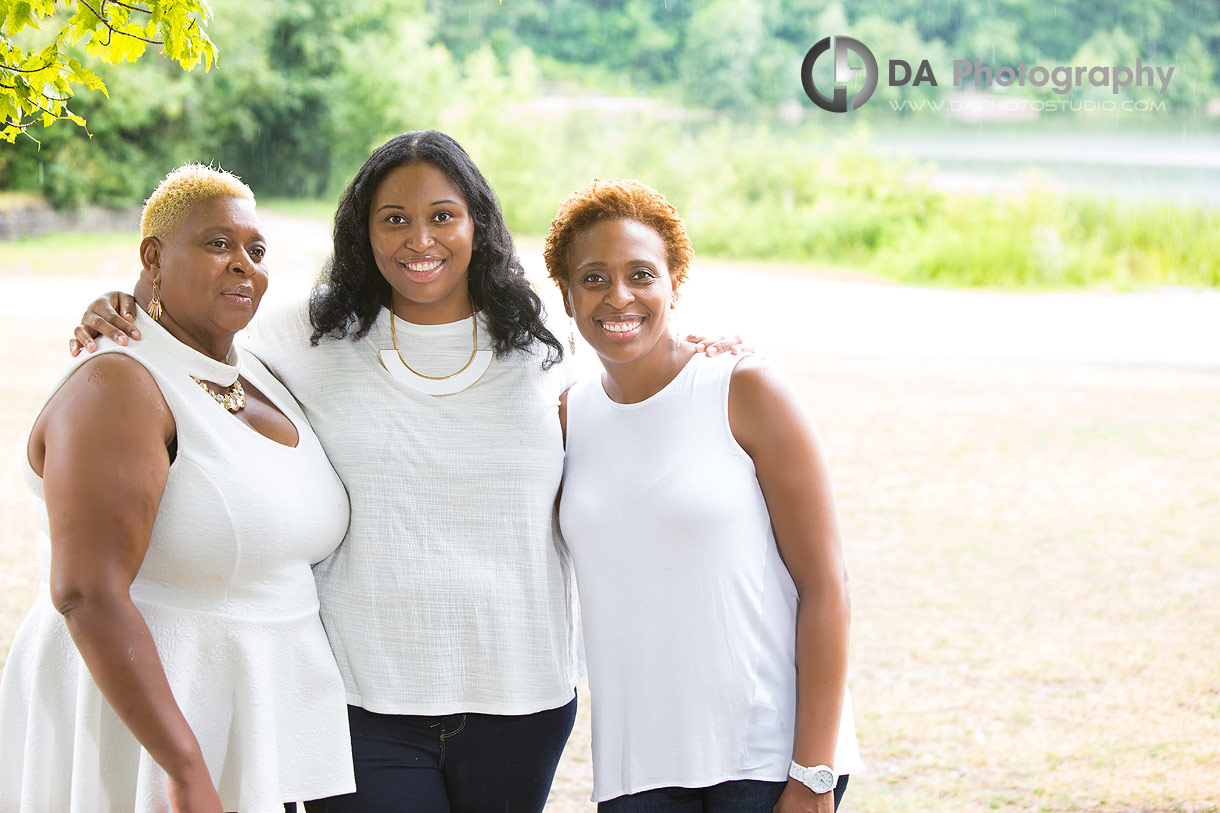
<point>619,353</point>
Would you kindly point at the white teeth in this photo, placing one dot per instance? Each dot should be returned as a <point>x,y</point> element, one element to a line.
<point>621,327</point>
<point>431,265</point>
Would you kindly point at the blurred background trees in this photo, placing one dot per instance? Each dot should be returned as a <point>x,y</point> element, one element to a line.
<point>702,99</point>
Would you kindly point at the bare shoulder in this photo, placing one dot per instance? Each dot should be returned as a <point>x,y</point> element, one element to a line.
<point>756,381</point>
<point>113,394</point>
<point>112,379</point>
<point>761,399</point>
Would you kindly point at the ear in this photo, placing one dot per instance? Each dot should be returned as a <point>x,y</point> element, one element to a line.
<point>567,304</point>
<point>150,258</point>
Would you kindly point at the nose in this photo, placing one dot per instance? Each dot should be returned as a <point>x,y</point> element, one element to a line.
<point>619,294</point>
<point>243,263</point>
<point>419,237</point>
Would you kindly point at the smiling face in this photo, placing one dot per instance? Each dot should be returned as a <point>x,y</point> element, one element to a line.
<point>620,290</point>
<point>422,234</point>
<point>210,270</point>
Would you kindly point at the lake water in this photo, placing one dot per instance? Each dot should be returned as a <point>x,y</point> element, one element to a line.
<point>1170,160</point>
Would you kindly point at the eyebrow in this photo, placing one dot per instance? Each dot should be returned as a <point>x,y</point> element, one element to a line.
<point>229,230</point>
<point>433,203</point>
<point>603,264</point>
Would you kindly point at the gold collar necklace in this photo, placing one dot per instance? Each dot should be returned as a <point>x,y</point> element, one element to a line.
<point>437,385</point>
<point>474,338</point>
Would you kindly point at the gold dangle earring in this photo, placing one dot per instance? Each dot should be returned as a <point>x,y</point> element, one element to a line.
<point>572,335</point>
<point>154,307</point>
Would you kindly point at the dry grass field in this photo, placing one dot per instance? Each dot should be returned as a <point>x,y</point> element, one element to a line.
<point>1035,559</point>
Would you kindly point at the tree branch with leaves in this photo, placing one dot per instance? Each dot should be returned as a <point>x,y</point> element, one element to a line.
<point>38,81</point>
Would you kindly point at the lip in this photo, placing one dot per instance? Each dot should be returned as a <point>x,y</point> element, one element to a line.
<point>633,322</point>
<point>427,268</point>
<point>240,294</point>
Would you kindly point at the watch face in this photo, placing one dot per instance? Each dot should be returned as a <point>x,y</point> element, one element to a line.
<point>822,781</point>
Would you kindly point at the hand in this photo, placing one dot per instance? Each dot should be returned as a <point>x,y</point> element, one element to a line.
<point>718,344</point>
<point>797,798</point>
<point>194,794</point>
<point>113,315</point>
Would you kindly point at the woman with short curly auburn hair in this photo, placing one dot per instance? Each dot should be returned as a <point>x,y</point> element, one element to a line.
<point>698,511</point>
<point>602,200</point>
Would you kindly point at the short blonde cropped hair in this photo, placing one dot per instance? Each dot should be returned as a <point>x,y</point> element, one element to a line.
<point>173,198</point>
<point>624,198</point>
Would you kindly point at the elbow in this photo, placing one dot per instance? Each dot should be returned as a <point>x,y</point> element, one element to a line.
<point>837,596</point>
<point>67,597</point>
<point>845,589</point>
<point>830,595</point>
<point>74,598</point>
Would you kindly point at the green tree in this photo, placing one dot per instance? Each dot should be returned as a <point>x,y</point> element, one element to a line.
<point>38,80</point>
<point>718,67</point>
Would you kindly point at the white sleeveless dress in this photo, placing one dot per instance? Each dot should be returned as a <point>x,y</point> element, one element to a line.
<point>227,591</point>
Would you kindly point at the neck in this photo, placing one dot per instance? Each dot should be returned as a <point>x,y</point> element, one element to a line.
<point>430,314</point>
<point>630,382</point>
<point>215,347</point>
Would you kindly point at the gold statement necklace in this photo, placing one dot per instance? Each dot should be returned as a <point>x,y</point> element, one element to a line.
<point>438,385</point>
<point>232,399</point>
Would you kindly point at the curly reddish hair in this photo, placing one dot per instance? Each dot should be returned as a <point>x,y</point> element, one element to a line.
<point>611,200</point>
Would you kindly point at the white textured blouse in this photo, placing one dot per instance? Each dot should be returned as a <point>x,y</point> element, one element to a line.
<point>450,592</point>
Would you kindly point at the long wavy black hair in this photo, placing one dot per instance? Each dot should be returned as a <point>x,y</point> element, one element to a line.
<point>350,299</point>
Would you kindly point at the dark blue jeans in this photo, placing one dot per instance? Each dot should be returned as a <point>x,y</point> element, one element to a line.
<point>456,763</point>
<point>740,796</point>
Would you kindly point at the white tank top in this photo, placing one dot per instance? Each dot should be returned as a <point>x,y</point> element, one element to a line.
<point>689,613</point>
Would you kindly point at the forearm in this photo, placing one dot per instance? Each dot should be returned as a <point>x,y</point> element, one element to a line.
<point>118,648</point>
<point>822,623</point>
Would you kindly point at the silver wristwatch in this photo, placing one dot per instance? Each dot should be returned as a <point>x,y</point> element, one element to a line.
<point>819,778</point>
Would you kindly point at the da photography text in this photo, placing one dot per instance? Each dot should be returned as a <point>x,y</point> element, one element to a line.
<point>1061,79</point>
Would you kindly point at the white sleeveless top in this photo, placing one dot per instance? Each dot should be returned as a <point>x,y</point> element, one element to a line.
<point>450,592</point>
<point>228,594</point>
<point>689,614</point>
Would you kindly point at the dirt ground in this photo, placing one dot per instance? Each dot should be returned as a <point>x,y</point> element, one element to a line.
<point>1034,549</point>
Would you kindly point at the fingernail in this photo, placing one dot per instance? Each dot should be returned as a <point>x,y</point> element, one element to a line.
<point>713,350</point>
<point>120,338</point>
<point>135,333</point>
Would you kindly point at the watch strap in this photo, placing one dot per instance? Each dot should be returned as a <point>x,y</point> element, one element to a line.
<point>818,778</point>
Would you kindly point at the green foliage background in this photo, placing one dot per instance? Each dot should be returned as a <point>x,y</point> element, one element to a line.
<point>303,89</point>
